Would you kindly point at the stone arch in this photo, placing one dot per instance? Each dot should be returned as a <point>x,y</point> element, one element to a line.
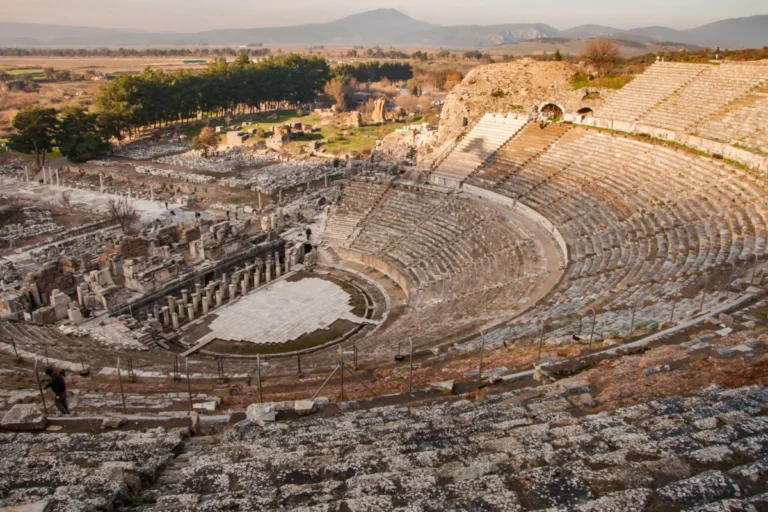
<point>551,110</point>
<point>586,112</point>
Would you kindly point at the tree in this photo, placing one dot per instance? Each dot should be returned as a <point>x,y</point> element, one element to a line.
<point>66,200</point>
<point>558,56</point>
<point>414,86</point>
<point>79,136</point>
<point>601,54</point>
<point>123,213</point>
<point>36,130</point>
<point>337,89</point>
<point>205,141</point>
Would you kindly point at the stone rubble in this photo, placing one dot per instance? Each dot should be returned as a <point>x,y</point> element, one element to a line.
<point>148,150</point>
<point>235,159</point>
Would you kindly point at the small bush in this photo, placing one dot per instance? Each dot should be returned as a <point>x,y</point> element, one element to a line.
<point>497,93</point>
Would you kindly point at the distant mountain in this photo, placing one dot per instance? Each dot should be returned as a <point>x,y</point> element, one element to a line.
<point>588,31</point>
<point>749,32</point>
<point>388,27</point>
<point>478,36</point>
<point>382,26</point>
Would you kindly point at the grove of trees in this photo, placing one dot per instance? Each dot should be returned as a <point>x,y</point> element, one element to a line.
<point>375,71</point>
<point>154,97</point>
<point>75,131</point>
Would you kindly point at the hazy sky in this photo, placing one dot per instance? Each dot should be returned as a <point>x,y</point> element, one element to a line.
<point>197,15</point>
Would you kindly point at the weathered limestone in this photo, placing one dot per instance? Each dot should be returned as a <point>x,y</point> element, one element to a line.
<point>24,417</point>
<point>175,320</point>
<point>206,302</point>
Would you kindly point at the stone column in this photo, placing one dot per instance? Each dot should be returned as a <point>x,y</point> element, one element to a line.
<point>222,291</point>
<point>268,271</point>
<point>278,269</point>
<point>185,296</point>
<point>26,173</point>
<point>175,320</point>
<point>258,193</point>
<point>244,286</point>
<point>57,178</point>
<point>191,312</point>
<point>180,304</point>
<point>209,293</point>
<point>219,298</point>
<point>257,274</point>
<point>196,302</point>
<point>232,291</point>
<point>166,316</point>
<point>171,303</point>
<point>81,294</point>
<point>151,192</point>
<point>156,312</point>
<point>205,305</point>
<point>198,287</point>
<point>101,182</point>
<point>288,256</point>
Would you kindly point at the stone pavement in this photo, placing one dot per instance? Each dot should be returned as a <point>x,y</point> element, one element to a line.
<point>282,312</point>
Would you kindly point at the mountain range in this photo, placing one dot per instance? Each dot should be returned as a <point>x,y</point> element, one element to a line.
<point>386,27</point>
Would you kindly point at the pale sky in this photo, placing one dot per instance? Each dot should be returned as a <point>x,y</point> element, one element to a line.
<point>199,15</point>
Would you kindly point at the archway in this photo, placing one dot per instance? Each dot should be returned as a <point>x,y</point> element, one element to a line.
<point>551,111</point>
<point>586,112</point>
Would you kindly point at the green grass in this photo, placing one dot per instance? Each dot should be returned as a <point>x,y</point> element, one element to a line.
<point>138,500</point>
<point>358,140</point>
<point>264,122</point>
<point>580,81</point>
<point>24,71</point>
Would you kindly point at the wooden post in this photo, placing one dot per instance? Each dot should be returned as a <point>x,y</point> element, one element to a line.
<point>258,377</point>
<point>410,368</point>
<point>541,341</point>
<point>341,365</point>
<point>120,381</point>
<point>480,364</point>
<point>40,388</point>
<point>189,382</point>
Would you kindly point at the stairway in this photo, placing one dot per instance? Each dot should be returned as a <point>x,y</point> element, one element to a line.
<point>482,141</point>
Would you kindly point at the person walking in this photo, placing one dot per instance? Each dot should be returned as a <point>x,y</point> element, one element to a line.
<point>59,388</point>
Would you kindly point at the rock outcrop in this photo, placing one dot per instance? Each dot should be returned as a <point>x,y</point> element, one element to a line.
<point>518,86</point>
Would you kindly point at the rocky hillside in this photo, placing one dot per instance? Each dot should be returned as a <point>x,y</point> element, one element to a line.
<point>509,87</point>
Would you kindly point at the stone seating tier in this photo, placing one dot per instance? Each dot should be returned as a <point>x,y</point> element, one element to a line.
<point>482,141</point>
<point>704,452</point>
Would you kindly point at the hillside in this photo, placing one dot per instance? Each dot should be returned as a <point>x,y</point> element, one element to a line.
<point>548,46</point>
<point>388,27</point>
<point>516,86</point>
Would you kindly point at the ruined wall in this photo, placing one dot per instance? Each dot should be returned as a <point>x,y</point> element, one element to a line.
<point>507,86</point>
